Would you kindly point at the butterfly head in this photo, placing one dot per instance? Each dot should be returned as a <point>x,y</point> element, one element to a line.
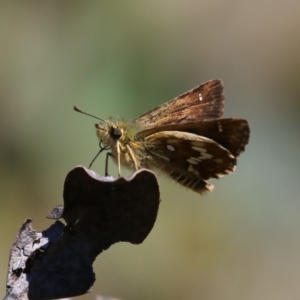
<point>109,133</point>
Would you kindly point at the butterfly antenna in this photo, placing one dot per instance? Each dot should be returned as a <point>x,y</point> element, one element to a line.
<point>82,112</point>
<point>95,157</point>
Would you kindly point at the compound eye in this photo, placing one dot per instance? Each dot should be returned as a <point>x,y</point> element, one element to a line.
<point>115,133</point>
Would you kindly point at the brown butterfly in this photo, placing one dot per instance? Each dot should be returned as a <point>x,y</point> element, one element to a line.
<point>186,138</point>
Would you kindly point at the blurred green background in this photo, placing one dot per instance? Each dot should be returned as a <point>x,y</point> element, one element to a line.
<point>121,58</point>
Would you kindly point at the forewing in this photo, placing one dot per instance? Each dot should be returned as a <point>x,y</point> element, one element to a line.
<point>187,152</point>
<point>231,133</point>
<point>206,101</point>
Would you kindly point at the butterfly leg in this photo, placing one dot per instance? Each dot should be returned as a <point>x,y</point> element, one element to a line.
<point>119,158</point>
<point>106,162</point>
<point>95,157</point>
<point>132,157</point>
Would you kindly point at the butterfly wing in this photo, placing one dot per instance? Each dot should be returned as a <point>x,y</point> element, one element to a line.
<point>188,158</point>
<point>231,133</point>
<point>206,101</point>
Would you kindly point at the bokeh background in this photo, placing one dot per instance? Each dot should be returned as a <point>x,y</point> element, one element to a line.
<point>121,58</point>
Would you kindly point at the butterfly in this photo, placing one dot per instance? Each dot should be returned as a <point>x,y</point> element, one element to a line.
<point>186,138</point>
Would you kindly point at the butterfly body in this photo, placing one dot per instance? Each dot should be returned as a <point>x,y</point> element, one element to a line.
<point>120,143</point>
<point>186,138</point>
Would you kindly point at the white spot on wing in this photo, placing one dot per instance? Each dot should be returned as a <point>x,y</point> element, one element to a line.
<point>192,170</point>
<point>203,153</point>
<point>193,161</point>
<point>200,97</point>
<point>171,148</point>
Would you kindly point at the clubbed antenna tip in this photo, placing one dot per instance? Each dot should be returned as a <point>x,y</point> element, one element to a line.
<point>82,112</point>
